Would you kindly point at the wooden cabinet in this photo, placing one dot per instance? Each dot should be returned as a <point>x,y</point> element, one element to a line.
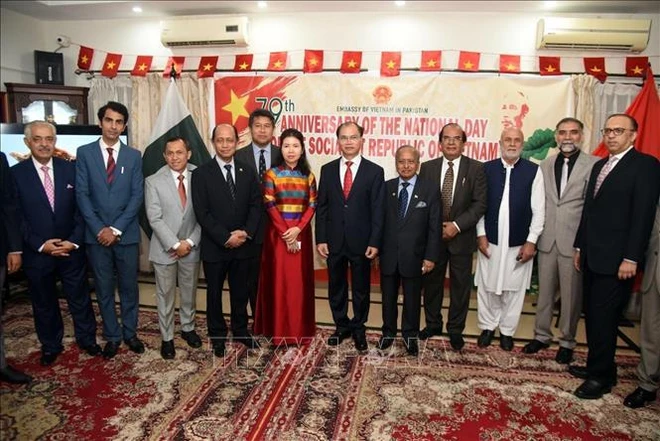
<point>57,104</point>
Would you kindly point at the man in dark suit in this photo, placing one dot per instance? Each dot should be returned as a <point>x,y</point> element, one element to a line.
<point>53,232</point>
<point>10,257</point>
<point>411,241</point>
<point>463,191</point>
<point>614,231</point>
<point>110,190</point>
<point>349,227</point>
<point>227,204</point>
<point>259,155</point>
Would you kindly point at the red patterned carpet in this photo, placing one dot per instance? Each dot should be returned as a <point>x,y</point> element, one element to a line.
<point>308,393</point>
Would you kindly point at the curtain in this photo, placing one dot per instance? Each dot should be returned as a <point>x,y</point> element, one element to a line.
<point>105,89</point>
<point>583,87</point>
<point>610,98</point>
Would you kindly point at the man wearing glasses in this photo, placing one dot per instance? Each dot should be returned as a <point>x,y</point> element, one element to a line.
<point>463,193</point>
<point>618,214</point>
<point>349,226</point>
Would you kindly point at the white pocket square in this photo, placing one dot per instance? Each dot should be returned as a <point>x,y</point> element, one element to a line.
<point>420,204</point>
<point>69,186</point>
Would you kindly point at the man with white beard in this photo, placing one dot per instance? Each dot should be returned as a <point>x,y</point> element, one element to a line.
<point>506,238</point>
<point>566,176</point>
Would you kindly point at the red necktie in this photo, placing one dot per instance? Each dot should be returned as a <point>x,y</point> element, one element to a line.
<point>348,179</point>
<point>110,171</point>
<point>182,191</point>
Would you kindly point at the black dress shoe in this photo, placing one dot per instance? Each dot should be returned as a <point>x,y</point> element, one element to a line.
<point>219,349</point>
<point>485,338</point>
<point>92,350</point>
<point>192,339</point>
<point>564,356</point>
<point>534,346</point>
<point>578,371</point>
<point>506,342</point>
<point>411,347</point>
<point>135,345</point>
<point>10,375</point>
<point>456,341</point>
<point>592,390</point>
<point>110,350</point>
<point>427,333</point>
<point>338,336</point>
<point>385,342</point>
<point>639,398</point>
<point>360,341</point>
<point>48,358</point>
<point>167,350</point>
<point>247,340</point>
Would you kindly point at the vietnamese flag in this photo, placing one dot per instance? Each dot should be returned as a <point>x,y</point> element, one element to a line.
<point>174,67</point>
<point>351,62</point>
<point>207,66</point>
<point>277,61</point>
<point>430,61</point>
<point>636,66</point>
<point>313,61</point>
<point>111,65</point>
<point>596,67</point>
<point>510,63</point>
<point>142,65</point>
<point>390,64</point>
<point>243,63</point>
<point>85,57</point>
<point>469,61</point>
<point>549,66</point>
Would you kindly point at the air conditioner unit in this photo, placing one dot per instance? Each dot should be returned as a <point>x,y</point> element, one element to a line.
<point>593,34</point>
<point>204,31</point>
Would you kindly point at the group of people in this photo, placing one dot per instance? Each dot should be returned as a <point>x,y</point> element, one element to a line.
<point>247,215</point>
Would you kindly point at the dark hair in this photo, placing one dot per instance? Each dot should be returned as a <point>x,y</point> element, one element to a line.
<point>350,123</point>
<point>303,164</point>
<point>463,135</point>
<point>116,107</point>
<point>230,125</point>
<point>261,112</point>
<point>177,138</point>
<point>632,120</point>
<point>569,119</point>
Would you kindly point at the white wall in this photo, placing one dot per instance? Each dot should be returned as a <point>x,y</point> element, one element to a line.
<point>489,33</point>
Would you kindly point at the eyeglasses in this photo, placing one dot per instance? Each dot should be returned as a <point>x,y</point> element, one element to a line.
<point>452,138</point>
<point>618,131</point>
<point>347,138</point>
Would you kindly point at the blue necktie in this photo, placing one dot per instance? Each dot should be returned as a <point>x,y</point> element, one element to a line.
<point>403,200</point>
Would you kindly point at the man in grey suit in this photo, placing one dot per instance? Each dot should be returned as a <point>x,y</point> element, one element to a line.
<point>648,370</point>
<point>566,176</point>
<point>260,155</point>
<point>174,248</point>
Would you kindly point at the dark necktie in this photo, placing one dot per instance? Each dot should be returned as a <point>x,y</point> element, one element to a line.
<point>110,171</point>
<point>182,191</point>
<point>447,188</point>
<point>230,181</point>
<point>403,200</point>
<point>262,165</point>
<point>348,179</point>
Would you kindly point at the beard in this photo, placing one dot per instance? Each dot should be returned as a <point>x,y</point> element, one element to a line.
<point>568,147</point>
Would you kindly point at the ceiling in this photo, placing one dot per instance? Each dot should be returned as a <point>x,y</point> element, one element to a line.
<point>102,10</point>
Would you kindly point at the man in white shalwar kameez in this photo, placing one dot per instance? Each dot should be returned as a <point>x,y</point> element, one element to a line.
<point>506,236</point>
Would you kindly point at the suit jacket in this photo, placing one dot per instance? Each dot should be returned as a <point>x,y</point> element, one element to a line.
<point>469,202</point>
<point>562,215</point>
<point>104,205</point>
<point>167,217</point>
<point>246,155</point>
<point>39,222</point>
<point>415,238</point>
<point>218,214</point>
<point>10,232</point>
<point>355,223</point>
<point>652,268</point>
<point>616,223</point>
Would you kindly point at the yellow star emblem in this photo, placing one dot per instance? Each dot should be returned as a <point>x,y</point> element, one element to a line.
<point>468,64</point>
<point>277,64</point>
<point>595,69</point>
<point>351,63</point>
<point>510,66</point>
<point>313,62</point>
<point>431,63</point>
<point>142,67</point>
<point>243,66</point>
<point>550,68</point>
<point>391,64</point>
<point>84,59</point>
<point>111,65</point>
<point>208,66</point>
<point>637,70</point>
<point>236,107</point>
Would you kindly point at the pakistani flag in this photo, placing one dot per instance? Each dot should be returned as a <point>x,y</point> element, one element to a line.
<point>174,120</point>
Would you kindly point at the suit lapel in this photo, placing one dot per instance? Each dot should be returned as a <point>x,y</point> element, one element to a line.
<point>553,184</point>
<point>171,187</point>
<point>412,203</point>
<point>334,171</point>
<point>33,176</point>
<point>222,182</point>
<point>620,168</point>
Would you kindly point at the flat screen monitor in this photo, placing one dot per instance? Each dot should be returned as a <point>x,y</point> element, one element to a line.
<point>69,138</point>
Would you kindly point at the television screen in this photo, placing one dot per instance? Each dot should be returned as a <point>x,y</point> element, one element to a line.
<point>69,138</point>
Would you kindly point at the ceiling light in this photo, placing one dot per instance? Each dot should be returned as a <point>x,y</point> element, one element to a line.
<point>400,3</point>
<point>262,5</point>
<point>137,9</point>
